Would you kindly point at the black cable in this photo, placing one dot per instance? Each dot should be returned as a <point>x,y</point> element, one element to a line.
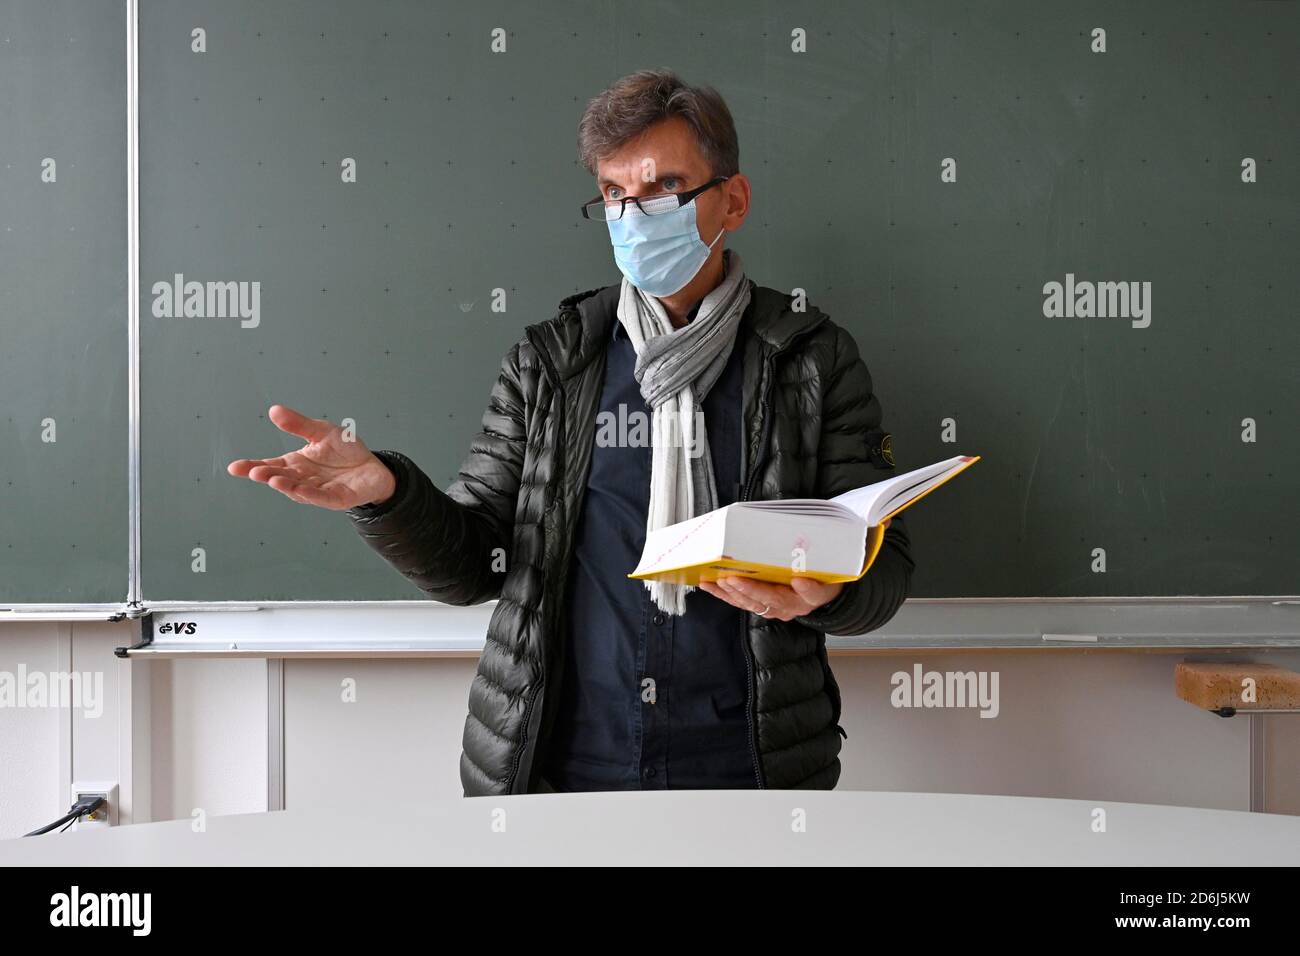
<point>57,823</point>
<point>79,809</point>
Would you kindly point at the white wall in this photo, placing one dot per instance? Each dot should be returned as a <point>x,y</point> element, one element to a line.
<point>209,737</point>
<point>194,734</point>
<point>1085,724</point>
<point>1100,725</point>
<point>1089,725</point>
<point>30,794</point>
<point>398,742</point>
<point>44,751</point>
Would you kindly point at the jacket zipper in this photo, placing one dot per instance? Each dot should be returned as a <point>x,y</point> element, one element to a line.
<point>764,432</point>
<point>552,624</point>
<point>750,716</point>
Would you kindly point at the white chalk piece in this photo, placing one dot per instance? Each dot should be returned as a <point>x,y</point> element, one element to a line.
<point>1076,638</point>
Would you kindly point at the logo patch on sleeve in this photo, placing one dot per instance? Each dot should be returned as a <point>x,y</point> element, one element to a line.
<point>887,448</point>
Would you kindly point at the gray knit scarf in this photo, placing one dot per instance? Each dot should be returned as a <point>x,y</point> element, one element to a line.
<point>675,369</point>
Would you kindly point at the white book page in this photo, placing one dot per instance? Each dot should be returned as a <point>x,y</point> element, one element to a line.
<point>872,502</point>
<point>688,542</point>
<point>808,506</point>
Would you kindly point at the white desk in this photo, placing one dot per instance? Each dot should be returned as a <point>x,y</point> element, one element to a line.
<point>695,827</point>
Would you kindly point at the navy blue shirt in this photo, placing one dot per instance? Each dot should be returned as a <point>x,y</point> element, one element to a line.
<point>607,735</point>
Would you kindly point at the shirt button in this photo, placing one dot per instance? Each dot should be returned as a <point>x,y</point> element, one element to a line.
<point>659,618</point>
<point>649,771</point>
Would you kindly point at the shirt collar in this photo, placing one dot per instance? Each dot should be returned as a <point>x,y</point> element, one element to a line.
<point>619,331</point>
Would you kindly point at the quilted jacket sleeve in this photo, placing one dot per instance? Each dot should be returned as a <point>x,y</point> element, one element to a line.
<point>454,545</point>
<point>850,414</point>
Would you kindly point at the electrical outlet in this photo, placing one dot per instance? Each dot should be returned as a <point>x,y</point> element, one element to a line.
<point>105,816</point>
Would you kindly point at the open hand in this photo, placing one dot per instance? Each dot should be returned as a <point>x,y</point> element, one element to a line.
<point>783,602</point>
<point>327,472</point>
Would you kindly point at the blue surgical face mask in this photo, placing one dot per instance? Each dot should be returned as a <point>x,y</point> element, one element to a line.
<point>659,254</point>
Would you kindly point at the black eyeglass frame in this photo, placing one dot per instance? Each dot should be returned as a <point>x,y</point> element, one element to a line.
<point>682,200</point>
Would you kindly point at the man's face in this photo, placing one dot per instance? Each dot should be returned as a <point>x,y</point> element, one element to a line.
<point>667,159</point>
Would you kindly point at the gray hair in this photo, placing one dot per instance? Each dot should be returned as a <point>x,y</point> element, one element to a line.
<point>639,100</point>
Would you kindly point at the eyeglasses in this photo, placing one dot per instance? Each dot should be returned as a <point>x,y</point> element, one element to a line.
<point>602,210</point>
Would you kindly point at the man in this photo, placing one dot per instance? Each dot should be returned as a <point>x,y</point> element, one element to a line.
<point>590,680</point>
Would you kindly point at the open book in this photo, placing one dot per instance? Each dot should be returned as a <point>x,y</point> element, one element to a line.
<point>835,540</point>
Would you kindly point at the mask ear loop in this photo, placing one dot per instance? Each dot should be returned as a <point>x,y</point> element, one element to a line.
<point>716,238</point>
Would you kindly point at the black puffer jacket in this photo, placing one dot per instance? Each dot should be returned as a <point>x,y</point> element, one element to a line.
<point>504,530</point>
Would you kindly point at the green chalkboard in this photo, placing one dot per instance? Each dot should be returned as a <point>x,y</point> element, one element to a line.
<point>64,517</point>
<point>922,169</point>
